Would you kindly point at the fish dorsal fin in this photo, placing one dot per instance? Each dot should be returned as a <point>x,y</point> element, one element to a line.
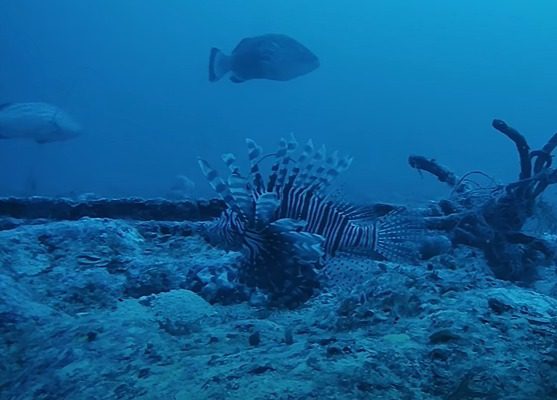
<point>239,186</point>
<point>291,145</point>
<point>318,167</point>
<point>265,207</point>
<point>328,171</point>
<point>230,161</point>
<point>359,214</point>
<point>344,164</point>
<point>307,152</point>
<point>335,167</point>
<point>218,185</point>
<point>283,148</point>
<point>254,152</point>
<point>240,190</point>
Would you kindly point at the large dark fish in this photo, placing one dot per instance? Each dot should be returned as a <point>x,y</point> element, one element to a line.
<point>40,122</point>
<point>272,56</point>
<point>285,224</point>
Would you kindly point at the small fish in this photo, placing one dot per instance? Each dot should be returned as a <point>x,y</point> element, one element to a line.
<point>272,56</point>
<point>40,122</point>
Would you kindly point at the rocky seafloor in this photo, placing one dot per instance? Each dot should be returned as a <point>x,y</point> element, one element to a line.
<point>114,309</point>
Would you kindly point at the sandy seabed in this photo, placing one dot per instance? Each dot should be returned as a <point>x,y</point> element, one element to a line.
<point>101,309</point>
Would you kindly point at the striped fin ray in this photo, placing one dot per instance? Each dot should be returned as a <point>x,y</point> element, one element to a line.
<point>254,152</point>
<point>291,145</point>
<point>396,234</point>
<point>344,163</point>
<point>283,260</point>
<point>316,159</point>
<point>336,166</point>
<point>254,245</point>
<point>265,207</point>
<point>226,231</point>
<point>321,168</point>
<point>302,159</point>
<point>326,170</point>
<point>307,247</point>
<point>230,161</point>
<point>280,154</point>
<point>287,224</point>
<point>239,188</point>
<point>292,242</point>
<point>218,185</point>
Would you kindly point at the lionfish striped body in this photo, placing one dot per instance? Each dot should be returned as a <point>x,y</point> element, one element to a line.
<point>289,221</point>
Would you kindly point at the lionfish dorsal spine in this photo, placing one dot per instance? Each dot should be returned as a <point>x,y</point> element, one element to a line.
<point>239,188</point>
<point>282,151</point>
<point>219,186</point>
<point>305,173</point>
<point>319,168</point>
<point>329,171</point>
<point>265,208</point>
<point>291,146</point>
<point>254,153</point>
<point>306,154</point>
<point>230,161</point>
<point>335,167</point>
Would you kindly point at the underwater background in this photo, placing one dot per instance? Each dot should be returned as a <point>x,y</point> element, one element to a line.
<point>396,78</point>
<point>127,272</point>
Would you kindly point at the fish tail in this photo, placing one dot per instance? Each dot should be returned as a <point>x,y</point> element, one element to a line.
<point>397,235</point>
<point>219,64</point>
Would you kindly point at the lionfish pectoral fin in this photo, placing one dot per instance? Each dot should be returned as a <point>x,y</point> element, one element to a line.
<point>287,224</point>
<point>291,246</point>
<point>308,246</point>
<point>398,235</point>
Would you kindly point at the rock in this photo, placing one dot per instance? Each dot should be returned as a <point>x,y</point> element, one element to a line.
<point>180,312</point>
<point>100,308</point>
<point>443,336</point>
<point>254,339</point>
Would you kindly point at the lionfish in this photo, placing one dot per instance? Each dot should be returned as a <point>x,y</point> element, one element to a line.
<point>286,224</point>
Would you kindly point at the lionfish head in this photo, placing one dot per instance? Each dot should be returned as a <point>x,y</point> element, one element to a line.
<point>226,232</point>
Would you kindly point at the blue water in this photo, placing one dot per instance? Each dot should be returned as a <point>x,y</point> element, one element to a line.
<point>396,78</point>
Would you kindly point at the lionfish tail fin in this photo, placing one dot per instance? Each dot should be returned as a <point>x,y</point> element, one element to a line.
<point>398,234</point>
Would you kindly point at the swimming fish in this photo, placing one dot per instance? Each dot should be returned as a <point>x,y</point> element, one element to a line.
<point>40,122</point>
<point>290,219</point>
<point>272,56</point>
